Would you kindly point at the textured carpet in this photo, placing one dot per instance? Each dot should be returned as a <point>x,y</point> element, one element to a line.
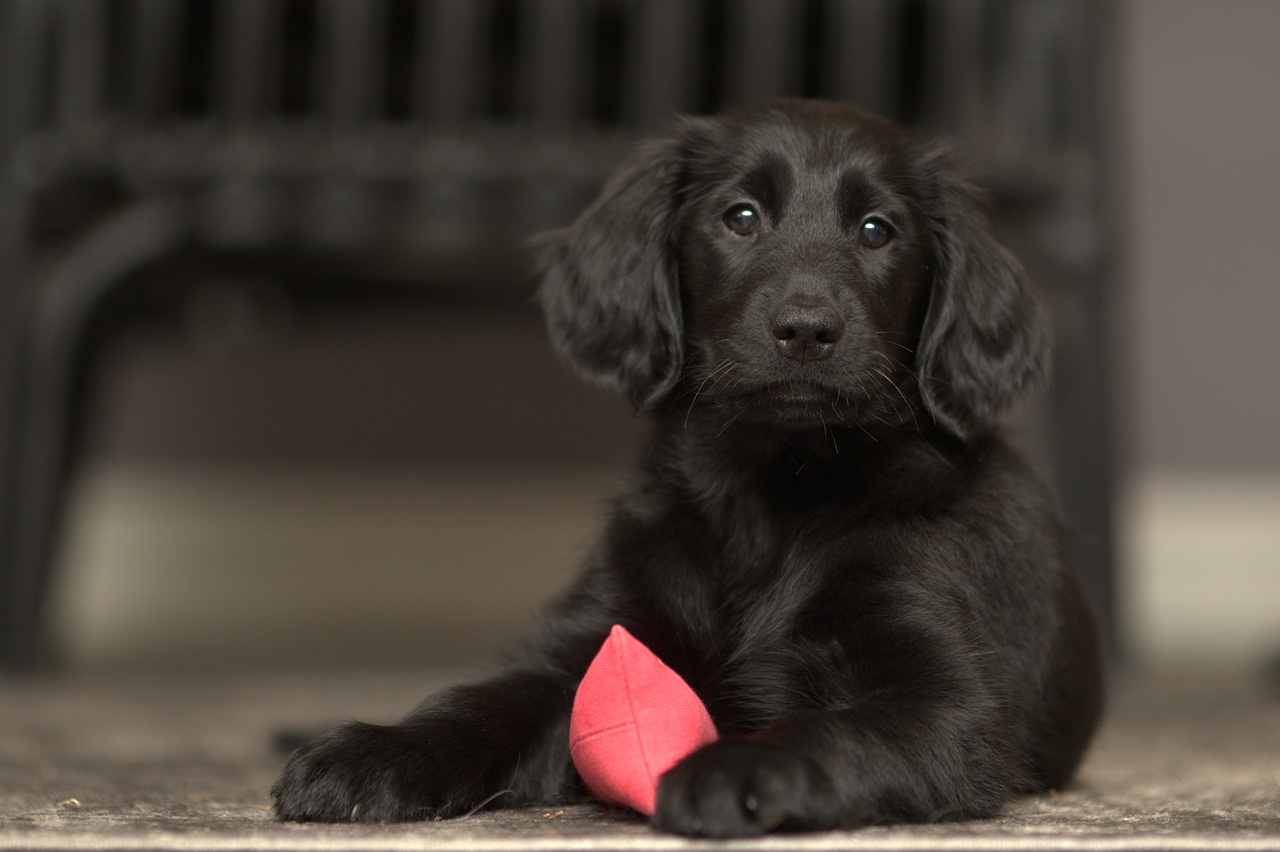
<point>185,762</point>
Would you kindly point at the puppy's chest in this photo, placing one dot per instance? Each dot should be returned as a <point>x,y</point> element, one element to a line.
<point>732,595</point>
<point>764,678</point>
<point>757,654</point>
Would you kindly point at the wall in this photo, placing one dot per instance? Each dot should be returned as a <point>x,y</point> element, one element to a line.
<point>1203,213</point>
<point>1200,392</point>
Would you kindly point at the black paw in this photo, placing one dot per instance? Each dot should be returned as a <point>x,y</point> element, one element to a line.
<point>359,773</point>
<point>740,789</point>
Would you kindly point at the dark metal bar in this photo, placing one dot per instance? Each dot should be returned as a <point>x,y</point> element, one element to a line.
<point>24,28</point>
<point>763,43</point>
<point>554,60</point>
<point>247,85</point>
<point>952,65</point>
<point>81,50</point>
<point>1084,396</point>
<point>350,66</point>
<point>1032,71</point>
<point>863,53</point>
<point>661,72</point>
<point>453,61</point>
<point>157,26</point>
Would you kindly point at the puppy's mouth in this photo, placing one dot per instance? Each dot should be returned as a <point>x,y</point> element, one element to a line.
<point>795,403</point>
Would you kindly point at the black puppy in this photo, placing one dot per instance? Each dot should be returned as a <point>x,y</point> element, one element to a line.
<point>825,538</point>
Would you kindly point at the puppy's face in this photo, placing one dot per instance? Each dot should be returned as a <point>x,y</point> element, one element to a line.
<point>805,266</point>
<point>800,264</point>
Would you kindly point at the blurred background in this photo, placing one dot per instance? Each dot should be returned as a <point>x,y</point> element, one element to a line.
<point>273,392</point>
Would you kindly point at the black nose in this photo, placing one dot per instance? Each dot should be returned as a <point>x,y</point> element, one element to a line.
<point>807,332</point>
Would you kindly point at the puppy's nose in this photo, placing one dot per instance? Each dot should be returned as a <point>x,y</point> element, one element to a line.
<point>807,332</point>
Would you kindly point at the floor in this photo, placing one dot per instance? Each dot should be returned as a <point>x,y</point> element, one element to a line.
<point>184,761</point>
<point>179,752</point>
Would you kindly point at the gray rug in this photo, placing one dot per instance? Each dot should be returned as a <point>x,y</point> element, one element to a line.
<point>185,762</point>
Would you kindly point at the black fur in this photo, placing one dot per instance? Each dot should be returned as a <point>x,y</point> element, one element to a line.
<point>825,538</point>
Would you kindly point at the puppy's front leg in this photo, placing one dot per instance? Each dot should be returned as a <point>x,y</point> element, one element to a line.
<point>830,769</point>
<point>504,741</point>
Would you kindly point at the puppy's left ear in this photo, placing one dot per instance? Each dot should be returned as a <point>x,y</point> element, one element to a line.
<point>610,290</point>
<point>985,339</point>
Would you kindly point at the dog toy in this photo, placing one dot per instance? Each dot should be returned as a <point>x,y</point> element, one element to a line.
<point>633,719</point>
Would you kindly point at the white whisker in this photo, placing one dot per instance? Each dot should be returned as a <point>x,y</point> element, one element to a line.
<point>910,409</point>
<point>724,366</point>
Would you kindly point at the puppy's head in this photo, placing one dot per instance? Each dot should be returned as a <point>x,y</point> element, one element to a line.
<point>802,264</point>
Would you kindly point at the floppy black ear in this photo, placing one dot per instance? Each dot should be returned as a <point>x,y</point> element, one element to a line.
<point>610,290</point>
<point>985,339</point>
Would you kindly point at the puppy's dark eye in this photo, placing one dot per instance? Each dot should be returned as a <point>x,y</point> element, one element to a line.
<point>742,219</point>
<point>874,233</point>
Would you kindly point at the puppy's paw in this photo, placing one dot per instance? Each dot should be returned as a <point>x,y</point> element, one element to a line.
<point>359,773</point>
<point>740,789</point>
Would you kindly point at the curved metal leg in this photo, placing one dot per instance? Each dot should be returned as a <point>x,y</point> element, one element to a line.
<point>45,439</point>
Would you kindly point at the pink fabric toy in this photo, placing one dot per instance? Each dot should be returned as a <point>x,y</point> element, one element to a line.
<point>633,719</point>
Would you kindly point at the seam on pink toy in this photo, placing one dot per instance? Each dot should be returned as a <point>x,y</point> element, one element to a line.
<point>626,682</point>
<point>586,738</point>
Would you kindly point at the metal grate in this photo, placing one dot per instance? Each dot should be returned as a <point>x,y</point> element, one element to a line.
<point>474,122</point>
<point>603,62</point>
<point>425,139</point>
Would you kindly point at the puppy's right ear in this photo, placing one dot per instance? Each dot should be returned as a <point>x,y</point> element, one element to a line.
<point>610,289</point>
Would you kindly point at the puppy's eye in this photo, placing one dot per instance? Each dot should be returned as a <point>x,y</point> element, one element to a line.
<point>742,219</point>
<point>874,233</point>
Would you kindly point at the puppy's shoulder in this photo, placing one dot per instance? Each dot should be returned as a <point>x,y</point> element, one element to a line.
<point>920,472</point>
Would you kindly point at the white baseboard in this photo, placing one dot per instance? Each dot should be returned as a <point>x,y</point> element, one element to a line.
<point>237,565</point>
<point>1200,567</point>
